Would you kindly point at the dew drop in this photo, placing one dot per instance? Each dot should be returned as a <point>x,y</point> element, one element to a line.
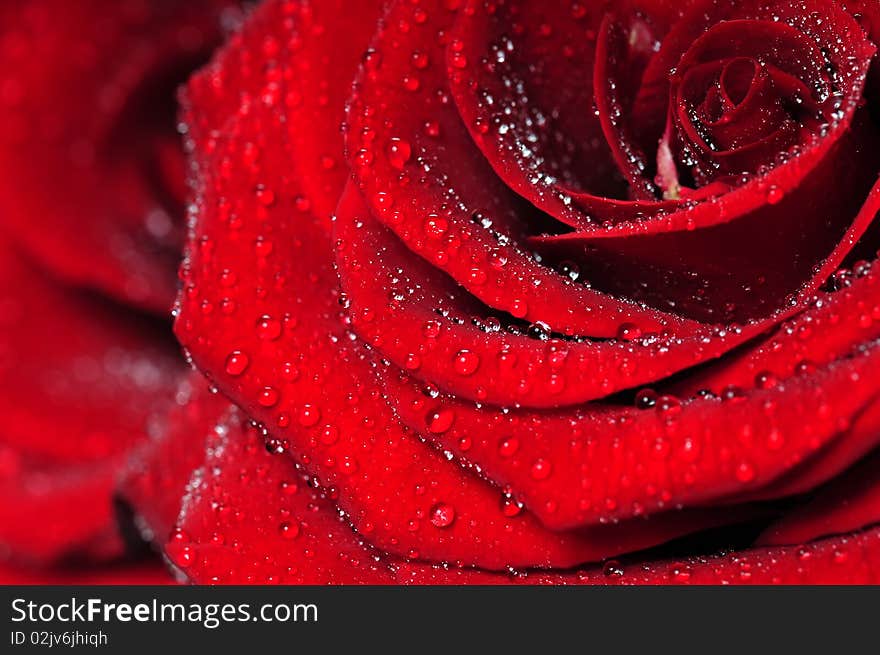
<point>237,363</point>
<point>765,380</point>
<point>668,406</point>
<point>436,226</point>
<point>440,421</point>
<point>477,276</point>
<point>302,204</point>
<point>268,328</point>
<point>509,507</point>
<point>399,152</point>
<point>262,247</point>
<point>519,308</point>
<point>458,60</point>
<point>745,472</point>
<point>775,439</point>
<point>466,362</point>
<point>329,435</point>
<point>628,332</point>
<point>541,469</point>
<point>411,83</point>
<point>646,399</point>
<point>508,446</point>
<point>431,329</point>
<point>612,568</point>
<point>497,259</point>
<point>288,530</point>
<point>442,515</point>
<point>420,60</point>
<point>308,416</point>
<point>268,397</point>
<point>265,197</point>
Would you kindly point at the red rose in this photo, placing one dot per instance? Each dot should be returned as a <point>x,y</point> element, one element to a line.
<point>581,293</point>
<point>563,299</point>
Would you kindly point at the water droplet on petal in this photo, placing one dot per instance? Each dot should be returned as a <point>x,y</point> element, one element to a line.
<point>308,416</point>
<point>509,507</point>
<point>541,469</point>
<point>628,332</point>
<point>745,472</point>
<point>508,446</point>
<point>765,380</point>
<point>288,530</point>
<point>646,399</point>
<point>431,329</point>
<point>440,421</point>
<point>466,362</point>
<point>774,195</point>
<point>268,397</point>
<point>442,515</point>
<point>399,152</point>
<point>268,328</point>
<point>237,363</point>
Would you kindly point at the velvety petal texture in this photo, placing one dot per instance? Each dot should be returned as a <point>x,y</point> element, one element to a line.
<point>564,288</point>
<point>473,291</point>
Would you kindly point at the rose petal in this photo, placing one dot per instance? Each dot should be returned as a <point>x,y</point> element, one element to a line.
<point>742,269</point>
<point>252,518</point>
<point>51,513</point>
<point>850,502</point>
<point>74,399</point>
<point>838,32</point>
<point>156,480</point>
<point>280,348</point>
<point>439,195</point>
<point>88,144</point>
<point>623,48</point>
<point>460,346</point>
<point>262,322</point>
<point>618,463</point>
<point>851,559</point>
<point>525,78</point>
<point>830,327</point>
